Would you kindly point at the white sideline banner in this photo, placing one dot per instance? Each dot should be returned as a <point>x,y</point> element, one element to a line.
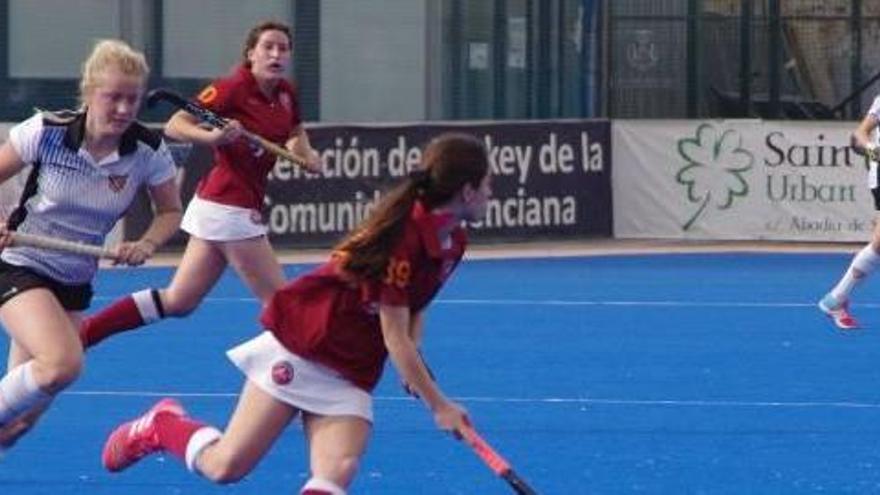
<point>739,180</point>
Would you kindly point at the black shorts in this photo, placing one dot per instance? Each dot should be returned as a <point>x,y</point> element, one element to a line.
<point>875,193</point>
<point>16,279</point>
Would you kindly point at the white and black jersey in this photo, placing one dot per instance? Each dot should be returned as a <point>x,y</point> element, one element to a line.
<point>68,195</point>
<point>873,181</point>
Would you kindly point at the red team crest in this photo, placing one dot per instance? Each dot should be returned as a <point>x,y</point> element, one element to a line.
<point>117,182</point>
<point>282,373</point>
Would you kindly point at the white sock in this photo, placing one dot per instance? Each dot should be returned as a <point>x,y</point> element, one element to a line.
<point>322,486</point>
<point>19,392</point>
<point>149,305</point>
<point>197,443</point>
<point>863,264</point>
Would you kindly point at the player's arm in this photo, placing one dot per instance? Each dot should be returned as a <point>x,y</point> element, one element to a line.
<point>168,212</point>
<point>404,353</point>
<point>10,162</point>
<point>861,138</point>
<point>301,146</point>
<point>416,329</point>
<point>184,126</point>
<point>166,220</point>
<point>402,350</point>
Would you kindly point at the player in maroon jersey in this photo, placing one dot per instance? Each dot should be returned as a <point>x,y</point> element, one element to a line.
<point>223,219</point>
<point>329,333</point>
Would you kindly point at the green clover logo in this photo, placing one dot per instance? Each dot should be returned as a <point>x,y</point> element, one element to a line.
<point>714,171</point>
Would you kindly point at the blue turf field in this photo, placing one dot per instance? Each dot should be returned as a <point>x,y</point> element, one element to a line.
<point>689,373</point>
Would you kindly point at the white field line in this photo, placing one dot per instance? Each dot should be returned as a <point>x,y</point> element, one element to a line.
<point>516,400</point>
<point>559,302</point>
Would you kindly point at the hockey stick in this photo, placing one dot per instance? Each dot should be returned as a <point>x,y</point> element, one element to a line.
<point>211,118</point>
<point>485,452</point>
<point>20,239</point>
<point>495,462</point>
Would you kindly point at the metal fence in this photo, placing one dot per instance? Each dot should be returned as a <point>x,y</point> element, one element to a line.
<point>484,59</point>
<point>742,58</point>
<point>498,59</point>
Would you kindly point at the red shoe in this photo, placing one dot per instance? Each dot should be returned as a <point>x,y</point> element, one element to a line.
<point>838,312</point>
<point>138,438</point>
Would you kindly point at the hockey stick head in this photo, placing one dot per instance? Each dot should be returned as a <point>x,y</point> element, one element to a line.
<point>519,485</point>
<point>161,94</point>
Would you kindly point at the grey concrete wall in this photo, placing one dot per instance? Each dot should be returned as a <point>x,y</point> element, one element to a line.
<point>373,60</point>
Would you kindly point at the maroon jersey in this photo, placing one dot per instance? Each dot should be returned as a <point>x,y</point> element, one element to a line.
<point>328,317</point>
<point>238,177</point>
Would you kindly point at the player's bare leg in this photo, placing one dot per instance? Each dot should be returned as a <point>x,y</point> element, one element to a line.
<point>45,346</point>
<point>835,304</point>
<point>258,420</point>
<point>15,429</point>
<point>336,444</point>
<point>255,262</point>
<point>200,267</point>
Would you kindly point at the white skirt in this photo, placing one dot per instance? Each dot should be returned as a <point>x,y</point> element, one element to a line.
<point>218,222</point>
<point>303,384</point>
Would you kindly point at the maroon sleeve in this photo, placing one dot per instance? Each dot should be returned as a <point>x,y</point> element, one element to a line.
<point>217,95</point>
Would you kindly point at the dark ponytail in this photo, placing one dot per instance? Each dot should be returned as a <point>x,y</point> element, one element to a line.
<point>449,162</point>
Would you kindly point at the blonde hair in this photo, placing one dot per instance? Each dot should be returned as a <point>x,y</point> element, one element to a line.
<point>111,53</point>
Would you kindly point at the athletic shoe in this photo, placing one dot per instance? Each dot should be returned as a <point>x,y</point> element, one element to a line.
<point>138,438</point>
<point>838,312</point>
